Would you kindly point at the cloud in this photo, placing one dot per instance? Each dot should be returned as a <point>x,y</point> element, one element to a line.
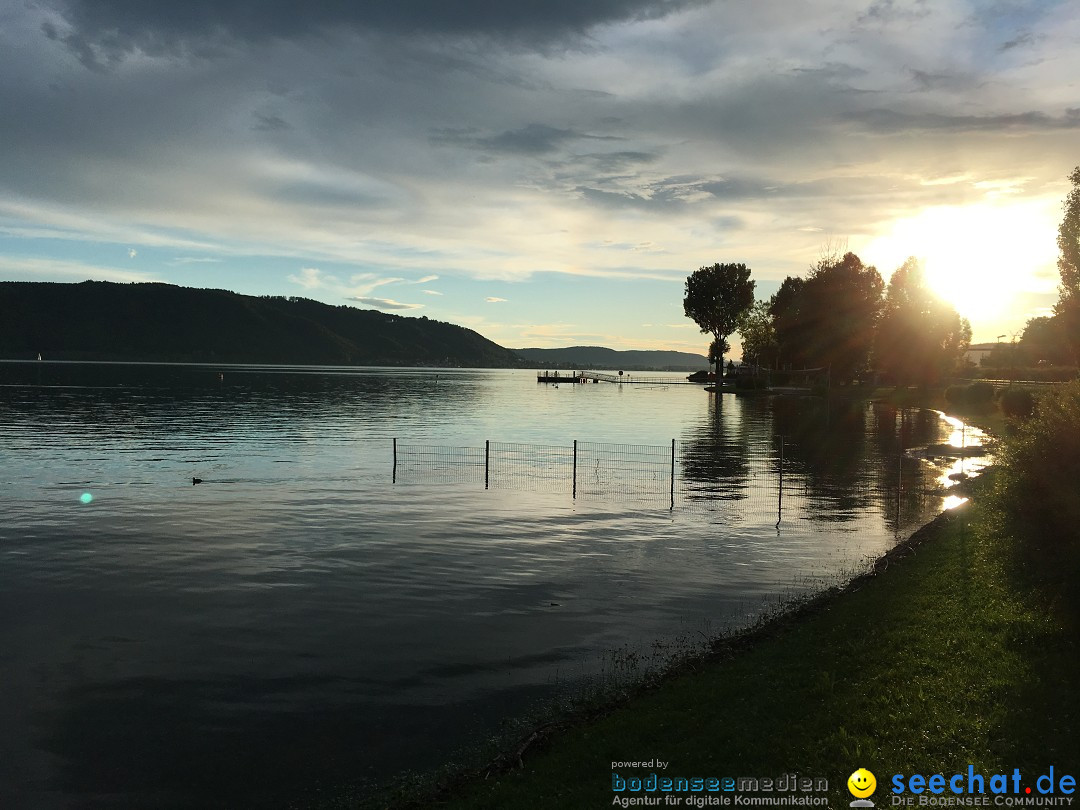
<point>384,303</point>
<point>266,122</point>
<point>426,279</point>
<point>567,133</point>
<point>103,32</point>
<point>193,260</point>
<point>494,300</point>
<point>312,278</point>
<point>132,253</point>
<point>431,292</point>
<point>532,139</point>
<point>1025,38</point>
<point>887,121</point>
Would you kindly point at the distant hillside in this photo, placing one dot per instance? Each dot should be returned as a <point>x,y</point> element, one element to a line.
<point>600,357</point>
<point>100,320</point>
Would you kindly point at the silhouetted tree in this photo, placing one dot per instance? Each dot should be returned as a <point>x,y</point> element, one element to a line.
<point>717,350</point>
<point>716,298</point>
<point>839,306</point>
<point>789,323</point>
<point>1044,341</point>
<point>920,338</point>
<point>1068,305</point>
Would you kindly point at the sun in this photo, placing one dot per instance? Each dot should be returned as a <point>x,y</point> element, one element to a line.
<point>981,258</point>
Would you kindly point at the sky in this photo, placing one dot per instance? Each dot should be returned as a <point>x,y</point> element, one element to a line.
<point>546,172</point>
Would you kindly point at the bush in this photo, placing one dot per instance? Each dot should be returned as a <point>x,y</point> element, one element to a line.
<point>1017,403</point>
<point>956,394</point>
<point>977,395</point>
<point>980,393</point>
<point>747,382</point>
<point>1041,465</point>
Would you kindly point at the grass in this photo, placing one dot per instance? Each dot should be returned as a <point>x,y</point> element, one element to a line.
<point>957,651</point>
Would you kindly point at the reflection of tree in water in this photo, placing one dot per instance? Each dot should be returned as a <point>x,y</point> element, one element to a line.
<point>714,454</point>
<point>825,454</point>
<point>903,482</point>
<point>821,439</point>
<point>842,459</point>
<point>895,429</point>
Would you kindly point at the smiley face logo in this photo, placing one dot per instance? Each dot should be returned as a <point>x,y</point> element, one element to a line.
<point>861,783</point>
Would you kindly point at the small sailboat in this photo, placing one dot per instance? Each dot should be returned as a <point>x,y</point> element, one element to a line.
<point>39,355</point>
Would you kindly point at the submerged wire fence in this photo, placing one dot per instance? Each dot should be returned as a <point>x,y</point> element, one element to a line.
<point>745,481</point>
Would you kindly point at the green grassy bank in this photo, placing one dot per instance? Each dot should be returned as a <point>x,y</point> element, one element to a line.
<point>958,650</point>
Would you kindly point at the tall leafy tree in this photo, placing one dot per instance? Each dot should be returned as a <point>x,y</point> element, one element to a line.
<point>839,307</point>
<point>1044,341</point>
<point>789,323</point>
<point>715,299</point>
<point>1068,305</point>
<point>920,338</point>
<point>758,335</point>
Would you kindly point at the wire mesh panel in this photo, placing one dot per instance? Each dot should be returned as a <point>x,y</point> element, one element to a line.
<point>734,481</point>
<point>826,484</point>
<point>625,471</point>
<point>423,463</point>
<point>530,466</point>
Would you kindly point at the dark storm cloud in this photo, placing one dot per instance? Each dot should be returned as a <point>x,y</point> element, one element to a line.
<point>106,30</point>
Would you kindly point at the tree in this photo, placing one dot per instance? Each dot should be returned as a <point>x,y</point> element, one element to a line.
<point>1068,305</point>
<point>788,322</point>
<point>717,350</point>
<point>839,305</point>
<point>920,338</point>
<point>716,297</point>
<point>1044,341</point>
<point>758,335</point>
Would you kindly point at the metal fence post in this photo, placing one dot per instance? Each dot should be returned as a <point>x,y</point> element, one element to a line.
<point>575,469</point>
<point>393,478</point>
<point>487,456</point>
<point>900,478</point>
<point>780,489</point>
<point>672,475</point>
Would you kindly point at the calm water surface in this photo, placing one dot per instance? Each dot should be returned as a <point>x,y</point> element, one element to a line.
<point>309,616</point>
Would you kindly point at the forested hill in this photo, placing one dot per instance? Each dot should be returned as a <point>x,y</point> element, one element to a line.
<point>100,320</point>
<point>600,357</point>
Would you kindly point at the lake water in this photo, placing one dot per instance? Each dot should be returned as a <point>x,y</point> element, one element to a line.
<point>313,614</point>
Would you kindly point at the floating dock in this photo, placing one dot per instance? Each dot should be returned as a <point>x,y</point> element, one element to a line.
<point>619,379</point>
<point>556,377</point>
